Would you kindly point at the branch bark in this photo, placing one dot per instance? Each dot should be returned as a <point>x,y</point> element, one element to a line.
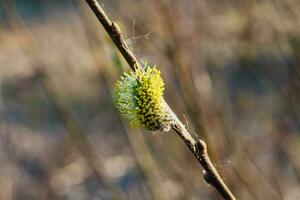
<point>197,146</point>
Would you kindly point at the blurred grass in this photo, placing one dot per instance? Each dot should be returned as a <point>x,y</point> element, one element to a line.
<point>232,68</point>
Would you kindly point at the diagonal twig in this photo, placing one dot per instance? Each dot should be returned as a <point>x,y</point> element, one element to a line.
<point>197,146</point>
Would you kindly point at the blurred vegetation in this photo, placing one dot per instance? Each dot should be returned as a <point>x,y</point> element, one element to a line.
<point>232,72</point>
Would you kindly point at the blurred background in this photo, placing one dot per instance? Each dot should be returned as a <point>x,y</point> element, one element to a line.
<point>232,74</point>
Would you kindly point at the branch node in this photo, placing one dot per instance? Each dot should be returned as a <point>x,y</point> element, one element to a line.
<point>115,29</point>
<point>201,146</point>
<point>207,178</point>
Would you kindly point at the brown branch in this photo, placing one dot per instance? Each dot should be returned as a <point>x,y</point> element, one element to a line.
<point>146,163</point>
<point>197,147</point>
<point>114,32</point>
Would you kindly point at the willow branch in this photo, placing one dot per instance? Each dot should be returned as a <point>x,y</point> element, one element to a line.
<point>197,146</point>
<point>114,32</point>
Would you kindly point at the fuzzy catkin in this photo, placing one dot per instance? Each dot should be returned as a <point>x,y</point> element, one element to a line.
<point>139,97</point>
